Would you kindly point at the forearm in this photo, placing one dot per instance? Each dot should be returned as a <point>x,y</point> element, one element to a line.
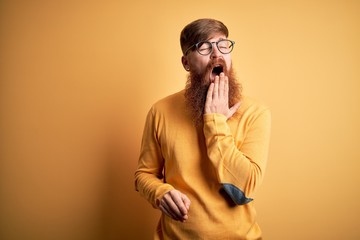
<point>151,187</point>
<point>241,164</point>
<point>148,176</point>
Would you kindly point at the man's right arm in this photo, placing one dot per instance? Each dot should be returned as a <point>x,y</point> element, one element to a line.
<point>149,175</point>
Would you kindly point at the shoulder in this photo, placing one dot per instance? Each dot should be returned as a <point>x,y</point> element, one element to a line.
<point>173,98</point>
<point>170,113</point>
<point>172,103</point>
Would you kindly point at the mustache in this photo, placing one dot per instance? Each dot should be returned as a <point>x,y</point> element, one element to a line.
<point>216,66</point>
<point>217,62</point>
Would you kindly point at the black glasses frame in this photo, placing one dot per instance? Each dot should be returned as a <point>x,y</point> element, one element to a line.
<point>196,45</point>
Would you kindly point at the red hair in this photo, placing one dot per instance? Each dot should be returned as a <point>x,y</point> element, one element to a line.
<point>200,30</point>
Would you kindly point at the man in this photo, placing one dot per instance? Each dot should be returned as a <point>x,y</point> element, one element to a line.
<point>204,149</point>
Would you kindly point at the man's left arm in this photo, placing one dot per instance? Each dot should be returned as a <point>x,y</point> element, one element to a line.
<point>239,170</point>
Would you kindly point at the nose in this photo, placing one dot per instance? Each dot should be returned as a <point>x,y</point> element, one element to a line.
<point>215,51</point>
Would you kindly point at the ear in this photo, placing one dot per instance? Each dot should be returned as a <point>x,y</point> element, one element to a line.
<point>185,63</point>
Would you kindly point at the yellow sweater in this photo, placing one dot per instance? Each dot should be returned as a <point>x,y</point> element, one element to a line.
<point>219,167</point>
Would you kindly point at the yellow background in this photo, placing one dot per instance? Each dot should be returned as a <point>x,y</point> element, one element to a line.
<point>77,79</point>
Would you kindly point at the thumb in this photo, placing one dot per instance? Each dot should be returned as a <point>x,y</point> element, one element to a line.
<point>233,109</point>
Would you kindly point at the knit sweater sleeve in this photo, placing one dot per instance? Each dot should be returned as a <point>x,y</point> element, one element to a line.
<point>239,162</point>
<point>149,174</point>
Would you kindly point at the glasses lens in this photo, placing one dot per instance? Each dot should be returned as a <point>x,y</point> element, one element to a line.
<point>225,46</point>
<point>204,48</point>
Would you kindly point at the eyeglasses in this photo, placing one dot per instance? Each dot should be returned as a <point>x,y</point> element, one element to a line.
<point>225,46</point>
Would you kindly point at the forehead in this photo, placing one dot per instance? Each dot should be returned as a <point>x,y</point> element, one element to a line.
<point>216,37</point>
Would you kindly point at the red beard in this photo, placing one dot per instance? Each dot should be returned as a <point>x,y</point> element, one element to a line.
<point>198,84</point>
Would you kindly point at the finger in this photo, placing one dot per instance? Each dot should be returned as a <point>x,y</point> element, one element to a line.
<point>165,209</point>
<point>222,85</point>
<point>177,198</point>
<point>173,207</point>
<point>186,201</point>
<point>216,88</point>
<point>209,97</point>
<point>210,91</point>
<point>173,211</point>
<point>233,109</point>
<point>226,89</point>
